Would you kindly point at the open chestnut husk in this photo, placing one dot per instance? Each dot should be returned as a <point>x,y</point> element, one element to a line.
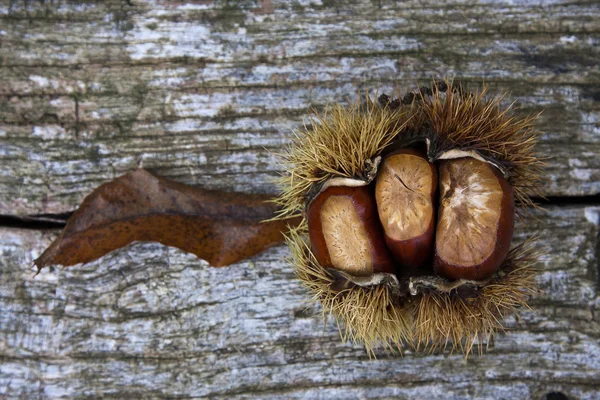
<point>409,207</point>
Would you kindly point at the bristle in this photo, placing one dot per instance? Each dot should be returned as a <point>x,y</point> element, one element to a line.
<point>369,316</point>
<point>475,121</point>
<point>340,143</point>
<point>447,320</point>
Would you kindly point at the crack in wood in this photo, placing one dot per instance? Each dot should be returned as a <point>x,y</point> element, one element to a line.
<point>35,222</point>
<point>53,221</point>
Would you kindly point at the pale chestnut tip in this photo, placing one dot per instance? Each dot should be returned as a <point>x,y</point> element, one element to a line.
<point>405,193</point>
<point>345,232</point>
<point>475,220</point>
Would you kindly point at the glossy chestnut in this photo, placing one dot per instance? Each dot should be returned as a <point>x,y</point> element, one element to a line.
<point>345,232</point>
<point>475,220</point>
<point>405,194</point>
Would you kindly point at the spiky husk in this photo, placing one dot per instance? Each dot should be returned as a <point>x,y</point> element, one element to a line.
<point>340,143</point>
<point>443,319</point>
<point>369,316</point>
<point>474,121</point>
<point>343,142</point>
<point>344,139</point>
<point>428,321</point>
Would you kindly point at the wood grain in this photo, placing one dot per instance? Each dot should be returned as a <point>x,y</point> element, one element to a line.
<point>150,321</point>
<point>203,92</point>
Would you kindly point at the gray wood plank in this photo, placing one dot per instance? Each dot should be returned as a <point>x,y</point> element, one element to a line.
<point>150,321</point>
<point>204,93</point>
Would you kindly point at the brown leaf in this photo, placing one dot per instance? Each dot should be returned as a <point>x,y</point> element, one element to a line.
<point>219,227</point>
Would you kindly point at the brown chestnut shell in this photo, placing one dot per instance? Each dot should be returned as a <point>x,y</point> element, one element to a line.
<point>345,232</point>
<point>475,219</point>
<point>405,194</point>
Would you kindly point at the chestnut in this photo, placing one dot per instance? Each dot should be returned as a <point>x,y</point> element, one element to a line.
<point>475,220</point>
<point>345,233</point>
<point>405,192</point>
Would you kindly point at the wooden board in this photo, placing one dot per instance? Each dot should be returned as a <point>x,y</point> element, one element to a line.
<point>150,321</point>
<point>204,92</point>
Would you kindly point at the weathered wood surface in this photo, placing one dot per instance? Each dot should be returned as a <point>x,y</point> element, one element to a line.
<point>149,321</point>
<point>203,92</point>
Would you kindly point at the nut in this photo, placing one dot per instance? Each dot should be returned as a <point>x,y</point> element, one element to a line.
<point>405,193</point>
<point>475,220</point>
<point>345,233</point>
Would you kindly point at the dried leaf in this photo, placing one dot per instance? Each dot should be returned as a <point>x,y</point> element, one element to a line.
<point>219,227</point>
